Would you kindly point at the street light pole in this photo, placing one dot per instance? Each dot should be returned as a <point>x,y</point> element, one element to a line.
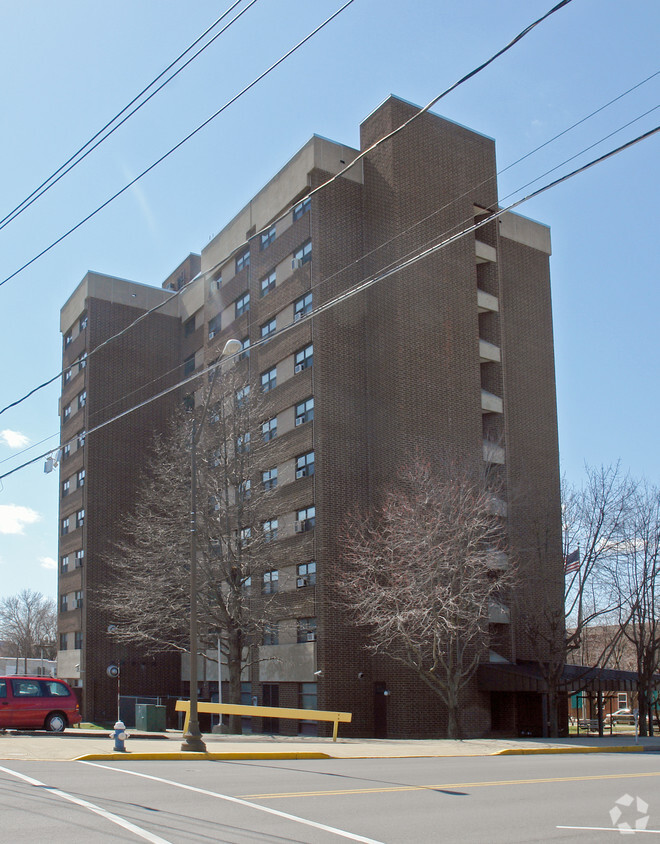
<point>192,738</point>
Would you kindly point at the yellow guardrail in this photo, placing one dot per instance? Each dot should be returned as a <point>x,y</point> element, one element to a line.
<point>266,712</point>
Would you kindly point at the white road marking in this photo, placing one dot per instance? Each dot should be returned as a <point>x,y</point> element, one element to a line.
<point>334,830</point>
<point>614,829</point>
<point>142,833</point>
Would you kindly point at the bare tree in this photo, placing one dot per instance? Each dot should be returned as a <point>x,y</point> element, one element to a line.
<point>150,603</point>
<point>637,585</point>
<point>28,624</point>
<point>422,572</point>
<point>594,516</point>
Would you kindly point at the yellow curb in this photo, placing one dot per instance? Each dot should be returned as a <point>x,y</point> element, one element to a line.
<point>105,757</point>
<point>537,751</point>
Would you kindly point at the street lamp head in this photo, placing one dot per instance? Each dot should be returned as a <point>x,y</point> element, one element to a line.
<point>232,347</point>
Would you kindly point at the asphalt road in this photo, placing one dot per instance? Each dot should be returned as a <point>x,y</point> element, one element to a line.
<point>474,799</point>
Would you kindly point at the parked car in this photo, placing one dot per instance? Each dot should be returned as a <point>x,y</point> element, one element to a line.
<point>621,716</point>
<point>37,703</point>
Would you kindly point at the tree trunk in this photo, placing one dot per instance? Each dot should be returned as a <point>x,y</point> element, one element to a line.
<point>453,723</point>
<point>234,665</point>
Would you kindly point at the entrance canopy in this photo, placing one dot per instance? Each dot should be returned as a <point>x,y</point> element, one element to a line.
<point>528,677</point>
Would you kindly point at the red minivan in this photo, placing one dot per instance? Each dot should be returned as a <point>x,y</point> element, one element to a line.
<point>37,703</point>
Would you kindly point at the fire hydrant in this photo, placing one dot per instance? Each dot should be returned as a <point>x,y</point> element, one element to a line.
<point>120,735</point>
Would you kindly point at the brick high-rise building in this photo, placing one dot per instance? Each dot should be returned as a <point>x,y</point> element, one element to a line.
<point>451,356</point>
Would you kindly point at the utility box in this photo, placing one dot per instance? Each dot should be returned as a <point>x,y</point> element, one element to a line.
<point>149,717</point>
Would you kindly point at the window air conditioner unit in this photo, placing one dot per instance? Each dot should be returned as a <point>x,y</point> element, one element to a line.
<point>299,420</point>
<point>311,637</point>
<point>300,473</point>
<point>211,335</point>
<point>299,526</point>
<point>298,315</point>
<point>296,263</point>
<point>302,581</point>
<point>214,286</point>
<point>298,367</point>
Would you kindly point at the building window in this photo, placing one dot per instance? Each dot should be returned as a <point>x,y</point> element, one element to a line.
<point>189,327</point>
<point>63,641</point>
<point>269,379</point>
<point>80,518</point>
<point>82,399</point>
<point>270,581</point>
<point>305,411</point>
<point>246,584</point>
<point>302,208</point>
<point>78,640</point>
<point>305,519</point>
<point>66,451</point>
<point>269,429</point>
<point>305,465</point>
<point>243,260</point>
<point>242,305</point>
<point>242,395</point>
<point>64,606</point>
<point>78,599</point>
<point>244,536</point>
<point>80,478</point>
<point>244,490</point>
<point>189,403</point>
<point>66,485</point>
<point>267,237</point>
<point>303,255</point>
<point>80,439</point>
<point>269,528</point>
<point>245,348</point>
<point>82,322</point>
<point>302,306</point>
<point>189,366</point>
<point>306,574</point>
<point>268,328</point>
<point>82,362</point>
<point>269,479</point>
<point>243,443</point>
<point>68,339</point>
<point>304,358</point>
<point>306,629</point>
<point>80,558</point>
<point>67,413</point>
<point>268,283</point>
<point>214,325</point>
<point>68,374</point>
<point>65,526</point>
<point>64,564</point>
<point>271,633</point>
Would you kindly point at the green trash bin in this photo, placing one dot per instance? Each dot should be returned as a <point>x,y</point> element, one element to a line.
<point>149,718</point>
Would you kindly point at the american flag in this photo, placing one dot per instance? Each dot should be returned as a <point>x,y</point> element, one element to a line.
<point>572,561</point>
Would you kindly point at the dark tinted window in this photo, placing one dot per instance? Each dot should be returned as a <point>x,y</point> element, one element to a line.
<point>3,688</point>
<point>26,688</point>
<point>54,689</point>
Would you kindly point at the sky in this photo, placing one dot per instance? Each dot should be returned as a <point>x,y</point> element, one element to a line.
<point>68,67</point>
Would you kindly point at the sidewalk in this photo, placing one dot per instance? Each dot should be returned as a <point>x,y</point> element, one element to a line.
<point>75,744</point>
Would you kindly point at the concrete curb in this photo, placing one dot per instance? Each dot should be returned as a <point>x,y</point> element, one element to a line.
<point>538,751</point>
<point>212,757</point>
<point>237,756</point>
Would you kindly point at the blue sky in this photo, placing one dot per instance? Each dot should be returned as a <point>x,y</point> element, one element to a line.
<point>69,66</point>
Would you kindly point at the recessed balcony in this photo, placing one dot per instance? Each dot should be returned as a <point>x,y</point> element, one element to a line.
<point>489,352</point>
<point>487,303</point>
<point>493,453</point>
<point>491,403</point>
<point>498,613</point>
<point>484,253</point>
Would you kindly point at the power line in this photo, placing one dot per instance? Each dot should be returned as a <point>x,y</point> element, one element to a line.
<point>288,210</point>
<point>89,146</point>
<point>360,287</point>
<point>181,142</point>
